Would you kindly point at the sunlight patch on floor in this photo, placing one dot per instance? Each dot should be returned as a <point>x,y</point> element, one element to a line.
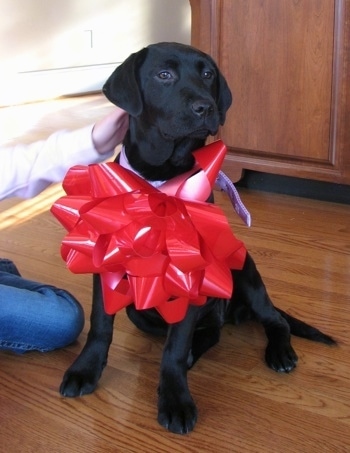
<point>27,209</point>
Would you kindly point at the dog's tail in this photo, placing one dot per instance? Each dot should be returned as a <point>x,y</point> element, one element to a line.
<point>301,329</point>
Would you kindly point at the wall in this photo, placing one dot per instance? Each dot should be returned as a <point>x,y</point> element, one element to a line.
<point>57,47</point>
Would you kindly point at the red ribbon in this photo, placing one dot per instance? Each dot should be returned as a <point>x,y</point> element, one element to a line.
<point>155,248</point>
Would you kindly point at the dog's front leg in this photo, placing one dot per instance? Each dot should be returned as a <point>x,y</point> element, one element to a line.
<point>176,409</point>
<point>82,376</point>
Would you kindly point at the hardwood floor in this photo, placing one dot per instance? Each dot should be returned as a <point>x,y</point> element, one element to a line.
<point>302,249</point>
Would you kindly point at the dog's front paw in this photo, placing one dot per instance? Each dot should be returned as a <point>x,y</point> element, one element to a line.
<point>78,383</point>
<point>281,357</point>
<point>177,415</point>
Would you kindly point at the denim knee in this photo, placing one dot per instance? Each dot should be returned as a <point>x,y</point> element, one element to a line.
<point>38,320</point>
<point>72,321</point>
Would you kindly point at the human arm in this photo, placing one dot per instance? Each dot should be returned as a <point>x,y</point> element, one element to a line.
<point>26,170</point>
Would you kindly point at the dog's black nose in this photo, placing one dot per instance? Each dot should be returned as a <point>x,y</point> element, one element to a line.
<point>202,108</point>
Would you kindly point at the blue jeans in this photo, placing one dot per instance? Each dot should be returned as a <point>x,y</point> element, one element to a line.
<point>34,316</point>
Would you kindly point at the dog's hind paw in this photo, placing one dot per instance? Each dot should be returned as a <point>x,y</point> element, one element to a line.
<point>178,417</point>
<point>281,357</point>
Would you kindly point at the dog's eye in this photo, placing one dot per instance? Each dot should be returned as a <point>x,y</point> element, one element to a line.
<point>207,74</point>
<point>165,75</point>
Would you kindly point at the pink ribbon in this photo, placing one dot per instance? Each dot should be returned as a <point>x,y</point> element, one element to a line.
<point>160,248</point>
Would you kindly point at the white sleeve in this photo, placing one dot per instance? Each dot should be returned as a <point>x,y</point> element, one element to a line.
<point>26,170</point>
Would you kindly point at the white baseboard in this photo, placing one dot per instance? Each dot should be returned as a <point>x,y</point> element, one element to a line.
<point>40,85</point>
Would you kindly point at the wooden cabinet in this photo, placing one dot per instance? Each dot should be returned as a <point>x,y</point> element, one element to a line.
<point>288,65</point>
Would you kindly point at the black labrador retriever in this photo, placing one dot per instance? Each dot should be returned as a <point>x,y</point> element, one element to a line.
<point>176,97</point>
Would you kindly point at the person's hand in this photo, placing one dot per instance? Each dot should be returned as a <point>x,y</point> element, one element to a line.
<point>110,131</point>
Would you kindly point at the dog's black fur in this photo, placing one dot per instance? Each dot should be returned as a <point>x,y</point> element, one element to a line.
<point>176,97</point>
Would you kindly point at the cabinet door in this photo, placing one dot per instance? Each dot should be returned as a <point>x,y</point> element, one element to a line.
<point>285,62</point>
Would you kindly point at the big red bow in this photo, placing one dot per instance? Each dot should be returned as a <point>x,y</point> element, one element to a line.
<point>156,248</point>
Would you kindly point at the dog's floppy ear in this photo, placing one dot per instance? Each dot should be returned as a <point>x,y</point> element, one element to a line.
<point>122,87</point>
<point>224,97</point>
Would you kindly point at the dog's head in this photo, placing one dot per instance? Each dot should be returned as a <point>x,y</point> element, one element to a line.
<point>176,87</point>
<point>175,96</point>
